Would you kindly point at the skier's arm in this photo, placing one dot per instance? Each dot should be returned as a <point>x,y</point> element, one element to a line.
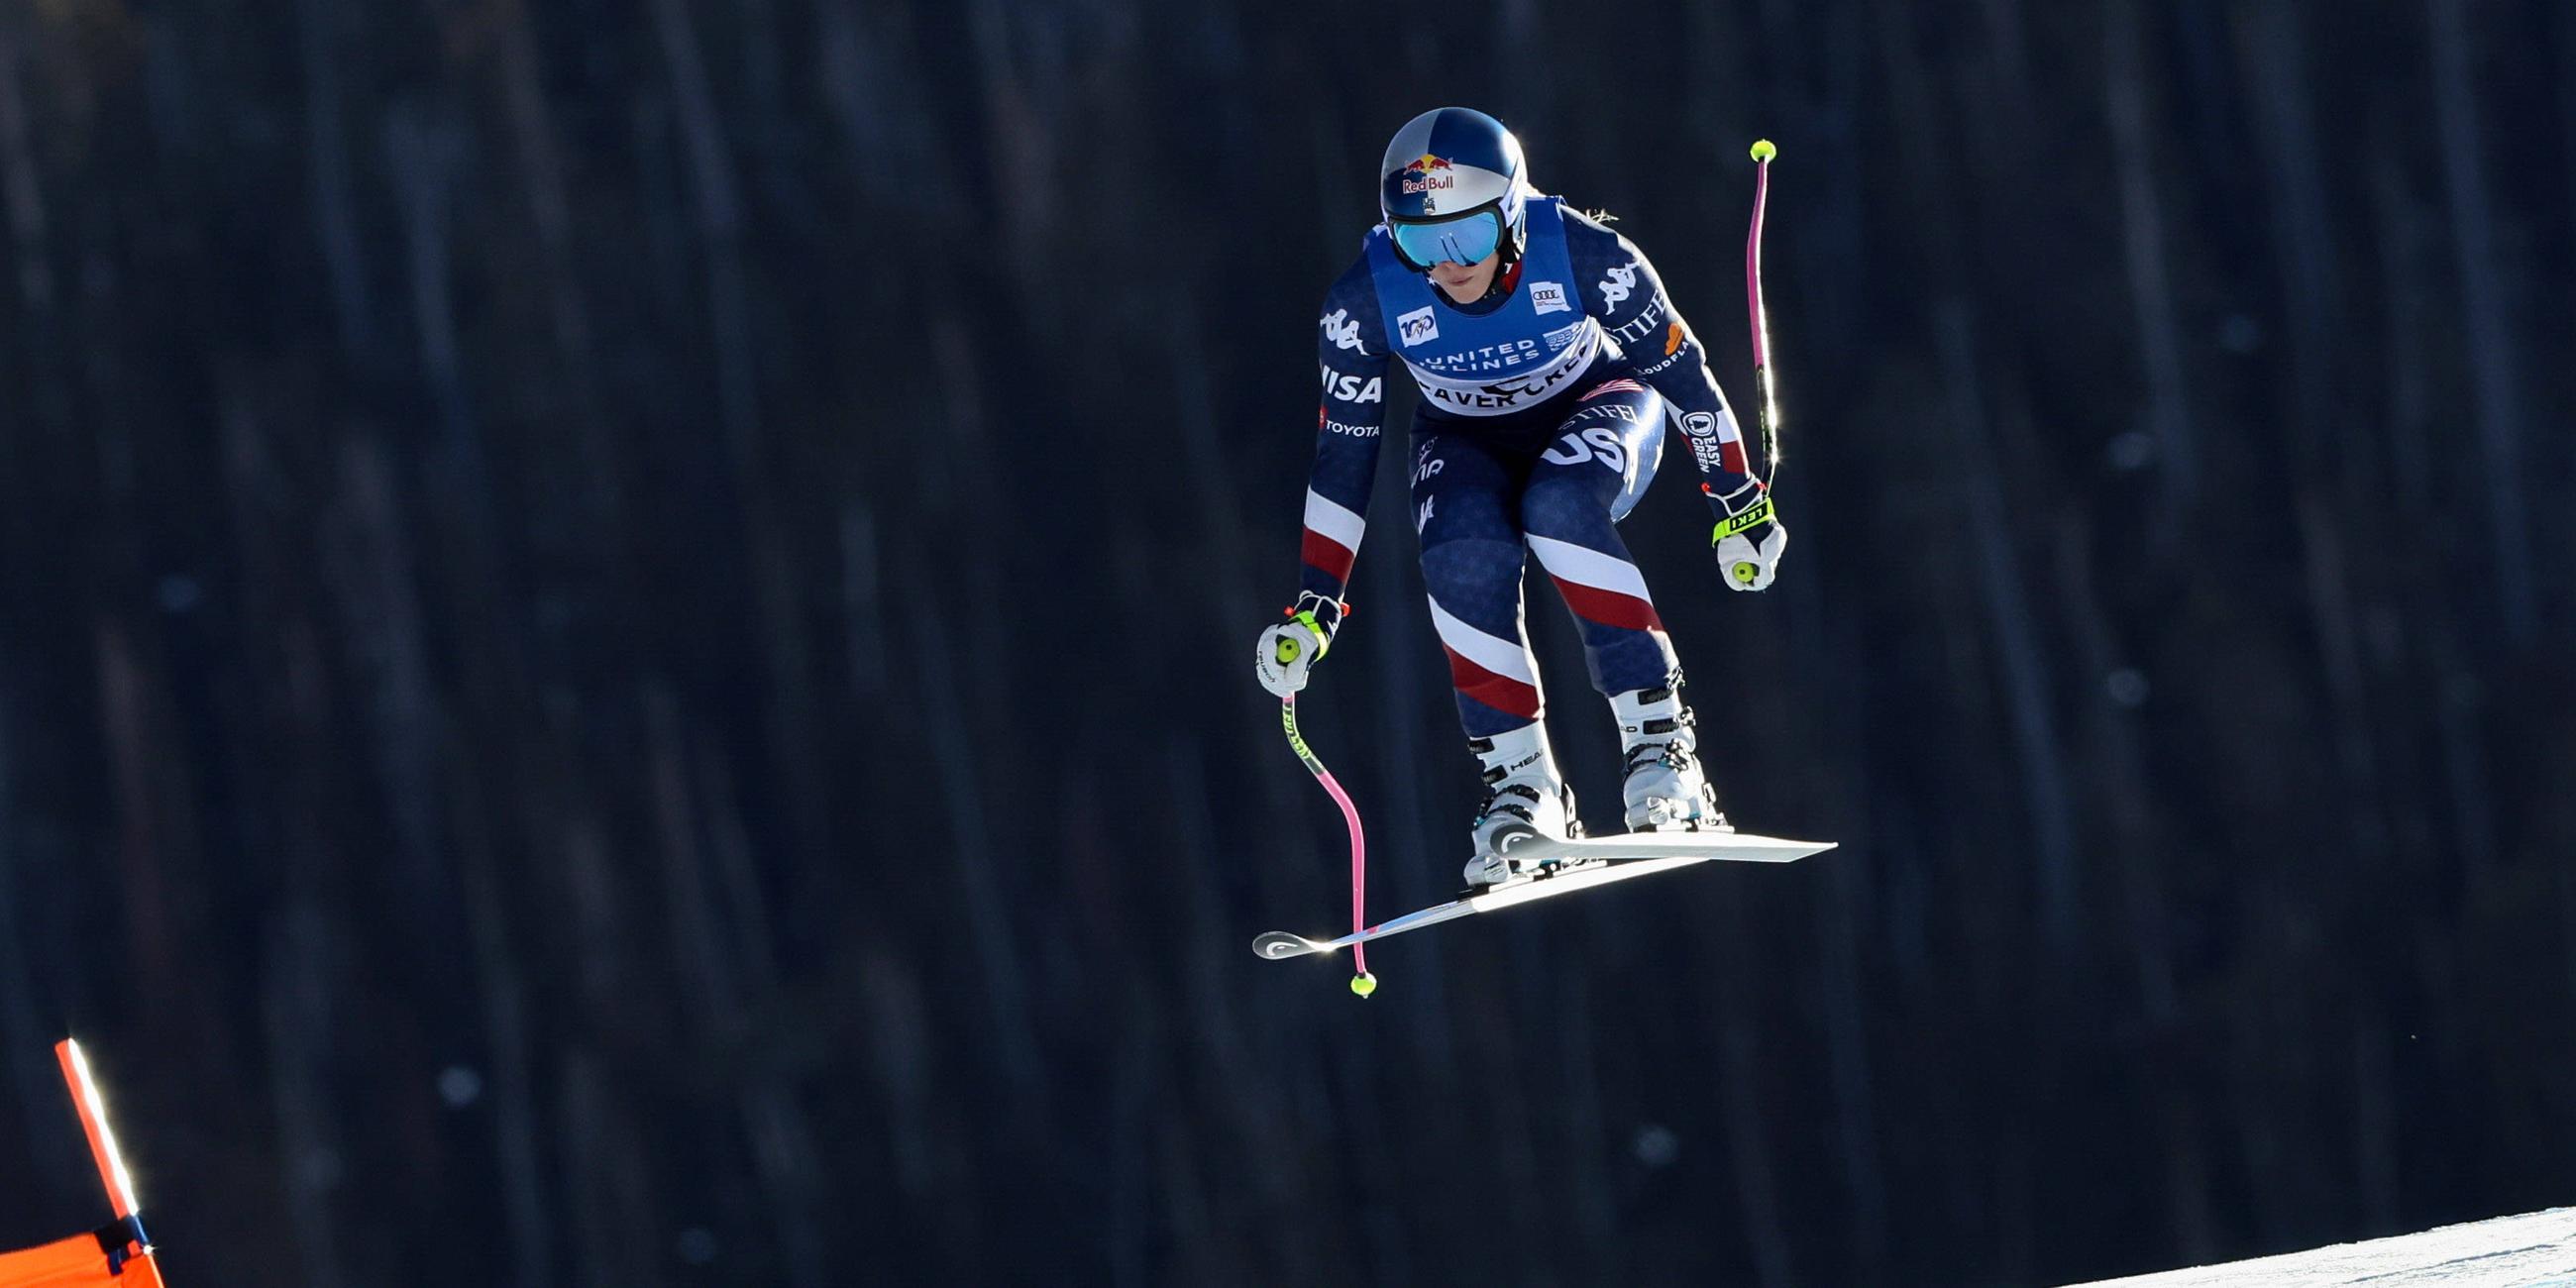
<point>1351,350</point>
<point>1350,347</point>
<point>1622,289</point>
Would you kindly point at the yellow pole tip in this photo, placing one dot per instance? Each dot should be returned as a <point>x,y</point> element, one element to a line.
<point>1364,984</point>
<point>1763,151</point>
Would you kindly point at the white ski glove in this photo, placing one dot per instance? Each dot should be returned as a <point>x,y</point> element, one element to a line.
<point>1286,651</point>
<point>1750,539</point>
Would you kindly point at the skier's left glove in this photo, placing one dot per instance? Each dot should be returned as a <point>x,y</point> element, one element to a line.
<point>1749,537</point>
<point>1286,651</point>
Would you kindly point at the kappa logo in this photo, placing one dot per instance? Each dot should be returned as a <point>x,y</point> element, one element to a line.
<point>1549,297</point>
<point>1419,326</point>
<point>1343,330</point>
<point>1619,283</point>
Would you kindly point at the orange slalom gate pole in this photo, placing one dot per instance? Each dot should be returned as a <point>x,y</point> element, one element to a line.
<point>102,1138</point>
<point>135,1269</point>
<point>115,1255</point>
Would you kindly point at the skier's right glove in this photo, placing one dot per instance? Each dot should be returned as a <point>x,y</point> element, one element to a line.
<point>1749,537</point>
<point>1285,651</point>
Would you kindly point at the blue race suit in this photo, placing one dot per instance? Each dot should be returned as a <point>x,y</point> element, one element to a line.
<point>1539,427</point>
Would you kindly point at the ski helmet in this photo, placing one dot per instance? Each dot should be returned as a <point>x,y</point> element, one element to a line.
<point>1452,188</point>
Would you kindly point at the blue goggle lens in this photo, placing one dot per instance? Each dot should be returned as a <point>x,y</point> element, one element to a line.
<point>1464,240</point>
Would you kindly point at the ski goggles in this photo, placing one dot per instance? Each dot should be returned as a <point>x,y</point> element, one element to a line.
<point>1463,241</point>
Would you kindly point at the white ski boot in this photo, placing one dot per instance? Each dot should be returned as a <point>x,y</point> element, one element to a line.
<point>1524,796</point>
<point>1665,790</point>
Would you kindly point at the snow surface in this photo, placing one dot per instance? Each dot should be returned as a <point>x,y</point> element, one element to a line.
<point>2537,1250</point>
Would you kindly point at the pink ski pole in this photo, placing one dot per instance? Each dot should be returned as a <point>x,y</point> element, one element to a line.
<point>1769,412</point>
<point>1362,983</point>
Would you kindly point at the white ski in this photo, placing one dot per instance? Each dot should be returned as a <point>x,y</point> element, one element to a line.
<point>1566,866</point>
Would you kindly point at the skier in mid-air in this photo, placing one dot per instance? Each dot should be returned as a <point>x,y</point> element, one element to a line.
<point>1548,357</point>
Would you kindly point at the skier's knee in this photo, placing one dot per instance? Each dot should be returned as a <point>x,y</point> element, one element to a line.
<point>1561,507</point>
<point>1470,565</point>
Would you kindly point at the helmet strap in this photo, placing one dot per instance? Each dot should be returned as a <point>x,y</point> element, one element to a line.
<point>1515,238</point>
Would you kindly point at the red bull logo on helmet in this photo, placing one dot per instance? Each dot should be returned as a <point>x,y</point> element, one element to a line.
<point>1424,165</point>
